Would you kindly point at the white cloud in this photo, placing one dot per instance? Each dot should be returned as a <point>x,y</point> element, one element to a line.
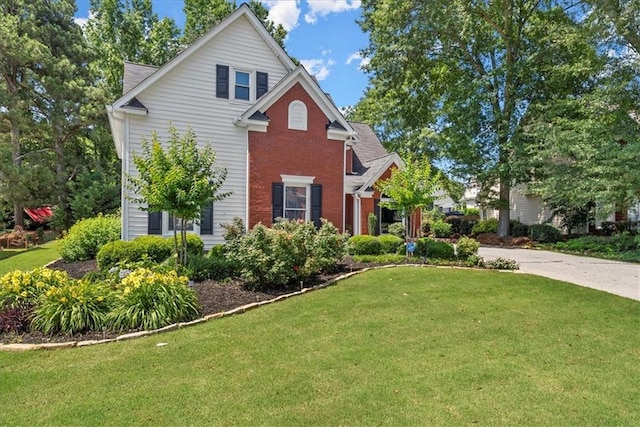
<point>321,8</point>
<point>358,57</point>
<point>81,21</point>
<point>284,12</point>
<point>320,68</point>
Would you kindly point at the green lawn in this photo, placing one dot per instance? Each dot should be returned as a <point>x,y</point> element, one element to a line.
<point>28,259</point>
<point>401,346</point>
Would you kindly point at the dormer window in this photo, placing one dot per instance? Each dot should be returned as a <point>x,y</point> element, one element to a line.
<point>297,115</point>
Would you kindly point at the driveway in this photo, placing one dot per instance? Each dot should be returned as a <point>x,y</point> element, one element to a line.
<point>619,278</point>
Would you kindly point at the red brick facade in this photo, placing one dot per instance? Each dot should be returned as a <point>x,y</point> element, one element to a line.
<point>283,151</point>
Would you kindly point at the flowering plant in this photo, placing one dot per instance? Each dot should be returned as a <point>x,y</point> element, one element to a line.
<point>23,288</point>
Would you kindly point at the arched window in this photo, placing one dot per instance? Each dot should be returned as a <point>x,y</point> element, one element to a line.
<point>297,115</point>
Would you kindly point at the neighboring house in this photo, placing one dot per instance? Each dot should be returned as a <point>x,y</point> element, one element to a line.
<point>287,148</point>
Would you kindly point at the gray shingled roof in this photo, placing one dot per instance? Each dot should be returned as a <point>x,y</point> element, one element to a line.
<point>134,74</point>
<point>369,157</point>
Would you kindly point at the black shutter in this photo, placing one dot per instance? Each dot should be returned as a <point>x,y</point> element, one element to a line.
<point>316,204</point>
<point>262,84</point>
<point>222,81</point>
<point>154,224</point>
<point>206,220</point>
<point>277,200</point>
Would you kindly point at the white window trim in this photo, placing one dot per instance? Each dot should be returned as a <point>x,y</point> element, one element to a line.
<point>297,181</point>
<point>252,85</point>
<point>165,226</point>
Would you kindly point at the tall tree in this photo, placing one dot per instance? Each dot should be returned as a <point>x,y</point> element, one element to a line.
<point>128,30</point>
<point>20,51</point>
<point>460,78</point>
<point>202,15</point>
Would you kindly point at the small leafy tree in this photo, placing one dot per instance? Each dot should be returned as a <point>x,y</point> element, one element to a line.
<point>181,181</point>
<point>410,188</point>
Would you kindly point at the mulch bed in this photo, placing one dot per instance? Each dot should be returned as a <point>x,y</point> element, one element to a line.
<point>214,297</point>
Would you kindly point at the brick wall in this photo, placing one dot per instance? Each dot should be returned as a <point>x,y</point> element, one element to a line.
<point>282,151</point>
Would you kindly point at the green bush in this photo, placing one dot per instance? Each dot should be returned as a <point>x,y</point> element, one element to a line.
<point>76,306</point>
<point>289,252</point>
<point>471,211</point>
<point>154,248</point>
<point>195,245</point>
<point>501,264</point>
<point>486,226</point>
<point>429,248</point>
<point>372,223</point>
<point>364,245</point>
<point>467,247</point>
<point>545,233</point>
<point>462,225</point>
<point>518,229</point>
<point>397,229</point>
<point>441,229</point>
<point>390,243</point>
<point>149,300</point>
<point>217,251</point>
<point>24,288</point>
<point>86,237</point>
<point>200,268</point>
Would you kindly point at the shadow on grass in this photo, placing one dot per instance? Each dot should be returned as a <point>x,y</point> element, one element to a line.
<point>10,253</point>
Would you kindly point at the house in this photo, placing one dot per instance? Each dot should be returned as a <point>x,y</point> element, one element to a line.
<point>288,150</point>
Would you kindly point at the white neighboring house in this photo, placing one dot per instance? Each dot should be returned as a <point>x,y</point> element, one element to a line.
<point>184,93</point>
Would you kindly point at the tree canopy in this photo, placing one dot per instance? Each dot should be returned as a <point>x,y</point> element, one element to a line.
<point>482,84</point>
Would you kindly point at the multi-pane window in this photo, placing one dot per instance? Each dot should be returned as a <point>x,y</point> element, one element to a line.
<point>242,85</point>
<point>295,202</point>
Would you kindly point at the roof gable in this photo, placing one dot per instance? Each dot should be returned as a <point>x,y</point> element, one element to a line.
<point>242,11</point>
<point>310,85</point>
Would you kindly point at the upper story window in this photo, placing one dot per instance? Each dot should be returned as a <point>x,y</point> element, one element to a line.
<point>297,115</point>
<point>243,85</point>
<point>240,84</point>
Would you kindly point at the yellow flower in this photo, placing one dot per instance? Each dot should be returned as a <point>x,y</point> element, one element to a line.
<point>63,300</point>
<point>24,294</point>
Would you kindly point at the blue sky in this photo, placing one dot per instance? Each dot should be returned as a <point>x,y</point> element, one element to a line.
<point>323,35</point>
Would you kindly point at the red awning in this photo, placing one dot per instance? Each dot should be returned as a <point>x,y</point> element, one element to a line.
<point>40,215</point>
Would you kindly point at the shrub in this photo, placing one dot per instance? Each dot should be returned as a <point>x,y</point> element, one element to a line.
<point>608,227</point>
<point>154,248</point>
<point>486,226</point>
<point>76,306</point>
<point>518,229</point>
<point>372,223</point>
<point>150,300</point>
<point>328,248</point>
<point>200,268</point>
<point>15,320</point>
<point>24,288</point>
<point>461,224</point>
<point>501,264</point>
<point>429,248</point>
<point>471,211</point>
<point>195,245</point>
<point>217,251</point>
<point>290,251</point>
<point>86,237</point>
<point>364,245</point>
<point>380,259</point>
<point>467,247</point>
<point>545,233</point>
<point>397,229</point>
<point>390,243</point>
<point>441,229</point>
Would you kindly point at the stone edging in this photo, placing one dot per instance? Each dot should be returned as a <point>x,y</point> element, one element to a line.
<point>70,344</point>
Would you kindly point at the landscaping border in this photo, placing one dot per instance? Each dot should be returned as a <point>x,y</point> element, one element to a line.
<point>19,347</point>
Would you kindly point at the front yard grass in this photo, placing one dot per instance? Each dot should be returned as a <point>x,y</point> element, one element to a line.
<point>28,259</point>
<point>397,346</point>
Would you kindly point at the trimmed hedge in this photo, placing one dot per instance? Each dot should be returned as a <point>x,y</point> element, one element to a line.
<point>364,245</point>
<point>430,248</point>
<point>390,243</point>
<point>545,233</point>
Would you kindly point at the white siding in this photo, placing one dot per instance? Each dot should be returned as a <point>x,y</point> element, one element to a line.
<point>528,209</point>
<point>186,97</point>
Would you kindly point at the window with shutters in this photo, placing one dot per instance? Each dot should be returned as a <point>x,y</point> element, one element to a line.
<point>297,115</point>
<point>163,223</point>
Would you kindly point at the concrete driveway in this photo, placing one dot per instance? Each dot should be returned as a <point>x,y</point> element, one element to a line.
<point>619,278</point>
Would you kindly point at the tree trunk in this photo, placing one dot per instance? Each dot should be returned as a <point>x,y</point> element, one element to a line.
<point>18,213</point>
<point>61,180</point>
<point>503,209</point>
